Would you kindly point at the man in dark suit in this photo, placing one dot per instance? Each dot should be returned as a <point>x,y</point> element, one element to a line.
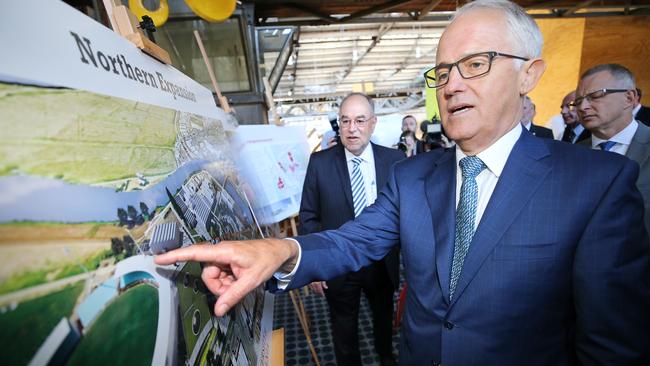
<point>505,265</point>
<point>605,102</point>
<point>529,112</point>
<point>574,131</point>
<point>641,112</point>
<point>329,201</point>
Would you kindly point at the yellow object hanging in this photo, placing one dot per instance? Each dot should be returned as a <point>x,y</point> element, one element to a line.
<point>159,15</point>
<point>212,11</point>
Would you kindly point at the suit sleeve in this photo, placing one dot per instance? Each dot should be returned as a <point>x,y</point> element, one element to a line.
<point>310,220</point>
<point>356,244</point>
<point>611,279</point>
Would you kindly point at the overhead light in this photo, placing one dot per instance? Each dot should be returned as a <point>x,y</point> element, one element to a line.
<point>292,60</point>
<point>275,32</point>
<point>355,54</point>
<point>289,93</point>
<point>418,52</point>
<point>286,31</point>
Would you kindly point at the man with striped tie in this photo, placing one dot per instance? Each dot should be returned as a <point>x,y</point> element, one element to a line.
<point>340,183</point>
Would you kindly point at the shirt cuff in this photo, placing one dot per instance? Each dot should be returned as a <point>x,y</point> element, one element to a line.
<point>285,278</point>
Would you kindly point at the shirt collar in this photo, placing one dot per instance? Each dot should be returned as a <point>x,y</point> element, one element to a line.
<point>636,110</point>
<point>527,125</point>
<point>366,155</point>
<point>577,130</point>
<point>496,155</point>
<point>624,137</point>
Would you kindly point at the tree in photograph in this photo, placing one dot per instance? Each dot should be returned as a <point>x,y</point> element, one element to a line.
<point>144,209</point>
<point>117,246</point>
<point>122,216</point>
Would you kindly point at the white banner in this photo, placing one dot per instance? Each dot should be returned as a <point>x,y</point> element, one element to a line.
<point>49,43</point>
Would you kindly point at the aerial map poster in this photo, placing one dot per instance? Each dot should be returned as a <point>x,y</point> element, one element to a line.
<point>273,162</point>
<point>107,158</point>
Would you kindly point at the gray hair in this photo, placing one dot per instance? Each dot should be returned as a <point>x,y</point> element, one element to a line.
<point>620,72</point>
<point>371,103</point>
<point>523,29</point>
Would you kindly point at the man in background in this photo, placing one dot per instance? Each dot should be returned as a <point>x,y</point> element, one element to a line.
<point>606,97</point>
<point>641,112</point>
<point>529,112</point>
<point>574,131</point>
<point>340,182</point>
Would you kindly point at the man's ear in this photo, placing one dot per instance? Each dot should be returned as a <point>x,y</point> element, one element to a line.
<point>630,98</point>
<point>531,72</point>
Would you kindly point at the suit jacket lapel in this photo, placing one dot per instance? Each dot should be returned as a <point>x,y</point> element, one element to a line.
<point>440,191</point>
<point>639,149</point>
<point>381,167</point>
<point>344,176</point>
<point>522,176</point>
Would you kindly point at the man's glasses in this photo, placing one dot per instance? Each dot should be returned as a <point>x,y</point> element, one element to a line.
<point>360,122</point>
<point>469,67</point>
<point>596,95</point>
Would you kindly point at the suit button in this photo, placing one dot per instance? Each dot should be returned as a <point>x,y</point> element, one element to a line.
<point>449,325</point>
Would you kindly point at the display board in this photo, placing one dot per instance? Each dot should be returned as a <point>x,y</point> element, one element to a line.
<point>107,158</point>
<point>273,160</point>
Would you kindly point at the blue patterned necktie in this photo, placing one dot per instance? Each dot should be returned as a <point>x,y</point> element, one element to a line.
<point>470,167</point>
<point>358,187</point>
<point>606,145</point>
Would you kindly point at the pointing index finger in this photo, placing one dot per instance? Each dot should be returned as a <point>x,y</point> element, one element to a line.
<point>196,253</point>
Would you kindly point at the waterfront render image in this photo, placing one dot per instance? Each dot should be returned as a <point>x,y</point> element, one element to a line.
<point>91,187</point>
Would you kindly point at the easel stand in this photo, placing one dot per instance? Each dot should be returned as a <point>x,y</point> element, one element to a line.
<point>289,227</point>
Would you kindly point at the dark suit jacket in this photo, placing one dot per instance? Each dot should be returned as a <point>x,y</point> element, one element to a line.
<point>552,273</point>
<point>540,131</point>
<point>643,115</point>
<point>327,195</point>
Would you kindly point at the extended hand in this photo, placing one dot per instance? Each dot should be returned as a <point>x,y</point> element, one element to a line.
<point>232,269</point>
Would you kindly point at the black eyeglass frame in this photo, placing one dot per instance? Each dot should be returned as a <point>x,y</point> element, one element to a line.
<point>431,81</point>
<point>590,96</point>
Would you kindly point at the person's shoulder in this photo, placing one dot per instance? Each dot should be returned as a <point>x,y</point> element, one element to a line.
<point>542,131</point>
<point>326,154</point>
<point>425,161</point>
<point>390,153</point>
<point>584,158</point>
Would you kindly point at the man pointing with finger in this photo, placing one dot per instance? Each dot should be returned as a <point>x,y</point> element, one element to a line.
<point>505,266</point>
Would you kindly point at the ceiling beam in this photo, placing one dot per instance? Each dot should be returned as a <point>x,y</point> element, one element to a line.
<point>427,8</point>
<point>577,7</point>
<point>383,29</point>
<point>374,9</point>
<point>296,48</point>
<point>307,9</point>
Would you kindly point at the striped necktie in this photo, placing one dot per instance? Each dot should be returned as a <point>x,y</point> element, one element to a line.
<point>470,167</point>
<point>606,145</point>
<point>358,187</point>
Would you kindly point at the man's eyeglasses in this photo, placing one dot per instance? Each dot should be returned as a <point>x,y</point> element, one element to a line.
<point>469,67</point>
<point>360,122</point>
<point>596,95</point>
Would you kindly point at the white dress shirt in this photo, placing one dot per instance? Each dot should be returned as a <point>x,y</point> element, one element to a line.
<point>367,166</point>
<point>494,157</point>
<point>622,139</point>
